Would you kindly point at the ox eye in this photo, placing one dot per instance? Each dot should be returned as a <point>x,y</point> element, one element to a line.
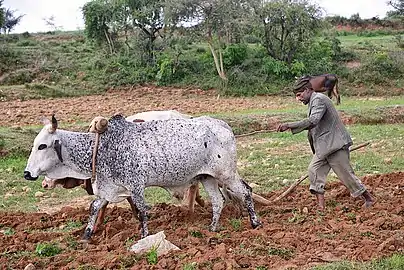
<point>42,146</point>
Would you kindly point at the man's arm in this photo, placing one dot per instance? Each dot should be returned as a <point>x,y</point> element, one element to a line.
<point>318,109</point>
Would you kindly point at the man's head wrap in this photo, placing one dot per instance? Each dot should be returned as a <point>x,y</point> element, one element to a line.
<point>301,85</point>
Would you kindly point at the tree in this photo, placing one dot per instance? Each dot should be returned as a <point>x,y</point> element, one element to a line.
<point>2,14</point>
<point>98,20</point>
<point>10,20</point>
<point>104,19</point>
<point>149,17</point>
<point>398,6</point>
<point>215,21</point>
<point>287,26</point>
<point>50,21</point>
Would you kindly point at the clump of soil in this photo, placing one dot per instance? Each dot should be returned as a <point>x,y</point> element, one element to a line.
<point>294,234</point>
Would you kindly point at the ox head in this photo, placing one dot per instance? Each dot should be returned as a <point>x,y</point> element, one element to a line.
<point>46,152</point>
<point>302,77</point>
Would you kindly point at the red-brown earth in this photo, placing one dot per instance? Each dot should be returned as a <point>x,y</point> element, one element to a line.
<point>293,235</point>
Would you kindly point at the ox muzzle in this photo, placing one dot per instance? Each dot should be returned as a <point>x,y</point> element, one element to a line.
<point>28,176</point>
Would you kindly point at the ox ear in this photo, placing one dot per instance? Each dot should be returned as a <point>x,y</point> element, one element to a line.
<point>58,149</point>
<point>54,124</point>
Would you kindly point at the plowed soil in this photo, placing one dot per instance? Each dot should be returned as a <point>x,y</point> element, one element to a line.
<point>294,234</point>
<point>128,102</point>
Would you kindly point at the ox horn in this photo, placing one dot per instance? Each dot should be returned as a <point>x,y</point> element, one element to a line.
<point>54,124</point>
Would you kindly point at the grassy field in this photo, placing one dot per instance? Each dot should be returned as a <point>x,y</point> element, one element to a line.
<point>270,160</point>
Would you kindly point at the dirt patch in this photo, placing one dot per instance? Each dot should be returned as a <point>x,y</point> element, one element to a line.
<point>353,64</point>
<point>292,236</point>
<point>128,102</point>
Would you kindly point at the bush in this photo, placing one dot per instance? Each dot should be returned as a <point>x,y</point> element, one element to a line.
<point>20,76</point>
<point>9,58</point>
<point>234,55</point>
<point>379,68</point>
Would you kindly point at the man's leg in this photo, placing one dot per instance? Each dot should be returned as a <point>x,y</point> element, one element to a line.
<point>318,170</point>
<point>340,164</point>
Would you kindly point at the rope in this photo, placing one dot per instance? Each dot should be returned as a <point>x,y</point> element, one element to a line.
<point>98,125</point>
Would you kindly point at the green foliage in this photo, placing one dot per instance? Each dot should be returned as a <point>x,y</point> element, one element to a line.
<point>288,27</point>
<point>97,18</point>
<point>392,263</point>
<point>399,39</point>
<point>379,68</point>
<point>8,231</point>
<point>281,252</point>
<point>234,55</point>
<point>166,71</point>
<point>151,256</point>
<point>196,234</point>
<point>236,223</point>
<point>9,58</point>
<point>10,20</point>
<point>190,266</point>
<point>2,15</point>
<point>47,249</point>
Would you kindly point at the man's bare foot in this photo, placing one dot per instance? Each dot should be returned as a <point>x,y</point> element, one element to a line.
<point>320,202</point>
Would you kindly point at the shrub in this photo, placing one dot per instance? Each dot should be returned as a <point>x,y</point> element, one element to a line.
<point>234,55</point>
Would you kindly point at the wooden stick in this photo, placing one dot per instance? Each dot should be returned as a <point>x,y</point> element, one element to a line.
<point>255,132</point>
<point>292,187</point>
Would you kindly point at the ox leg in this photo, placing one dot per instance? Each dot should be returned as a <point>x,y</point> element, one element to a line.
<point>135,211</point>
<point>198,197</point>
<point>243,192</point>
<point>95,207</point>
<point>211,186</point>
<point>191,197</point>
<point>139,204</point>
<point>100,219</point>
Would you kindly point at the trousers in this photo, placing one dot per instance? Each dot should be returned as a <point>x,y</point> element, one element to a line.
<point>339,162</point>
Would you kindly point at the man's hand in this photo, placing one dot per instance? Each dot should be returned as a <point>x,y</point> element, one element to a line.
<point>283,127</point>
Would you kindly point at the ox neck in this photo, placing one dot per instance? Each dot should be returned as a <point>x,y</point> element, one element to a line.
<point>77,150</point>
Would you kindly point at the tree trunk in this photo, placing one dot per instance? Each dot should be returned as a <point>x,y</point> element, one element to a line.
<point>218,62</point>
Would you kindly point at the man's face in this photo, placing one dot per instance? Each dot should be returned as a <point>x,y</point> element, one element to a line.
<point>304,96</point>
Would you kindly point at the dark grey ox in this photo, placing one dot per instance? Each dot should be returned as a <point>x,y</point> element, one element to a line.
<point>132,157</point>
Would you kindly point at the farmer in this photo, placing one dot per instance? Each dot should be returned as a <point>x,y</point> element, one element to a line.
<point>329,141</point>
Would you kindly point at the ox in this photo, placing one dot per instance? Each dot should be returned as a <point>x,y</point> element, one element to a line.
<point>324,83</point>
<point>189,196</point>
<point>132,157</point>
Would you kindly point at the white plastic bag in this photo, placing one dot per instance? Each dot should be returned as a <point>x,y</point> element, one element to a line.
<point>157,241</point>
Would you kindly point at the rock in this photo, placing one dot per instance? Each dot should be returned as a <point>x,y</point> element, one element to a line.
<point>305,210</point>
<point>26,189</point>
<point>157,240</point>
<point>276,166</point>
<point>30,267</point>
<point>387,161</point>
<point>392,248</point>
<point>39,194</point>
<point>254,185</point>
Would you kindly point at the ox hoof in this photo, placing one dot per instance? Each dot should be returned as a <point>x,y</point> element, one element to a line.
<point>213,228</point>
<point>256,224</point>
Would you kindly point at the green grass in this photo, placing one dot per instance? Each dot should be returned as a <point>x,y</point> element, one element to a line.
<point>274,160</point>
<point>355,41</point>
<point>394,262</point>
<point>271,160</point>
